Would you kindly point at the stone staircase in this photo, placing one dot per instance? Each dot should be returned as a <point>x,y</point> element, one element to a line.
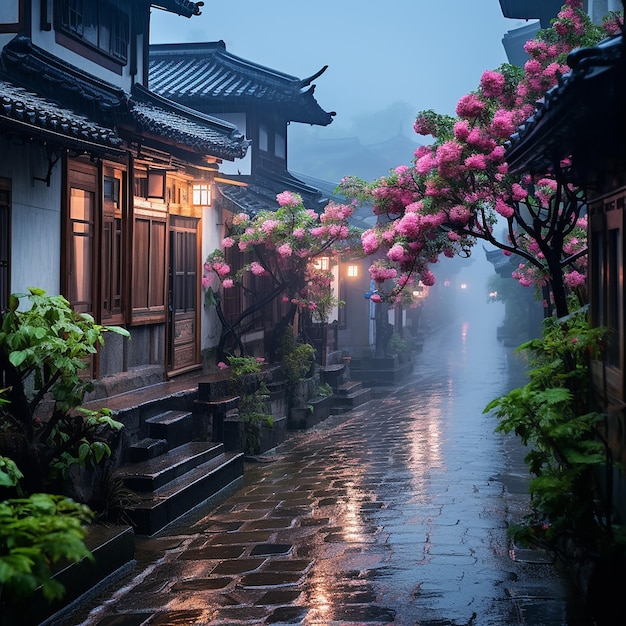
<point>169,462</point>
<point>381,371</point>
<point>169,473</point>
<point>349,395</point>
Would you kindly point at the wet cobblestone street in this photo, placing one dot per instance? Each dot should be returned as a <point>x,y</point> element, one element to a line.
<point>393,513</point>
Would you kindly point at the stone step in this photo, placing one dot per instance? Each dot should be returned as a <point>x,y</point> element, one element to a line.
<point>342,403</point>
<point>150,474</point>
<point>152,512</point>
<point>147,448</point>
<point>216,411</point>
<point>176,427</point>
<point>349,388</point>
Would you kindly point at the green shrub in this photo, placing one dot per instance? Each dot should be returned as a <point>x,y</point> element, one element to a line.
<point>555,416</point>
<point>44,351</point>
<point>36,533</point>
<point>244,377</point>
<point>297,359</point>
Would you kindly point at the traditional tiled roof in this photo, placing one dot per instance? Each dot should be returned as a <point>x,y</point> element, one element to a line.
<point>182,7</point>
<point>502,264</point>
<point>23,111</point>
<point>205,76</point>
<point>108,107</point>
<point>39,71</point>
<point>542,10</point>
<point>260,193</point>
<point>201,132</point>
<point>581,109</point>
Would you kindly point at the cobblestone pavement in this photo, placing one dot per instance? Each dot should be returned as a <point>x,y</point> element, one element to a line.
<point>393,513</point>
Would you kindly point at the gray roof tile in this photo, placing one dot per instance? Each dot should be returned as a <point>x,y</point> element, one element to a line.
<point>21,106</point>
<point>205,76</point>
<point>215,137</point>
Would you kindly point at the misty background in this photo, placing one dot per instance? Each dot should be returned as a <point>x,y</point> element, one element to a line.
<point>386,62</point>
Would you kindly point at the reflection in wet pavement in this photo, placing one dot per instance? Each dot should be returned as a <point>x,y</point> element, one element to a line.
<point>394,513</point>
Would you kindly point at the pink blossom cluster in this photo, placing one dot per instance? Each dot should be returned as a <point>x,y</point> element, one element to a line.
<point>370,241</point>
<point>269,226</point>
<point>393,193</point>
<point>216,266</point>
<point>574,279</point>
<point>287,198</point>
<point>528,276</point>
<point>492,84</point>
<point>283,241</point>
<point>460,185</point>
<point>221,268</point>
<point>470,106</point>
<point>425,124</point>
<point>257,269</point>
<point>284,250</point>
<point>336,212</point>
<point>240,218</point>
<point>613,24</point>
<point>380,271</point>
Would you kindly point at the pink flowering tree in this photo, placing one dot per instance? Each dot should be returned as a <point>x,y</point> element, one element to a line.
<point>459,189</point>
<point>277,253</point>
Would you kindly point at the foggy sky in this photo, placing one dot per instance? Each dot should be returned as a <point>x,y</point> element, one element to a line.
<point>419,54</point>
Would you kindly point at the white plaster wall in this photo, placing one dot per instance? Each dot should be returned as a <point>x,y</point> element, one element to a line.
<point>212,225</point>
<point>238,166</point>
<point>35,219</point>
<point>46,40</point>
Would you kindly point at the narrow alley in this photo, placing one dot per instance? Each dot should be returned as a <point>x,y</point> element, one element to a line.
<point>394,513</point>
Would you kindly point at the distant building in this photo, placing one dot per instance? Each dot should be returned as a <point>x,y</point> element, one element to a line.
<point>261,102</point>
<point>541,12</point>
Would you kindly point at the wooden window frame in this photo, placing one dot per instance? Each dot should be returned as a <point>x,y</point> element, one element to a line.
<point>114,245</point>
<point>83,177</point>
<point>69,33</point>
<point>156,184</point>
<point>149,254</point>
<point>606,269</point>
<point>187,280</point>
<point>201,191</point>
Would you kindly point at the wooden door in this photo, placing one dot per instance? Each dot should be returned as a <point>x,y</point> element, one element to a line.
<point>183,297</point>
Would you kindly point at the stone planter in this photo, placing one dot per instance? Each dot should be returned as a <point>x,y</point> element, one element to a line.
<point>272,436</point>
<point>310,414</point>
<point>278,400</point>
<point>233,433</point>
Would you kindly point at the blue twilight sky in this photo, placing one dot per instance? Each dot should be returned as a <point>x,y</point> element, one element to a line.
<point>424,54</point>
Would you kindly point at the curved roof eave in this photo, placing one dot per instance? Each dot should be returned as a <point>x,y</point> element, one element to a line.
<point>191,128</point>
<point>547,136</point>
<point>186,8</point>
<point>205,76</point>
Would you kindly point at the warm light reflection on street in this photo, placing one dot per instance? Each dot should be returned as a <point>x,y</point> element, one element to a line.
<point>395,513</point>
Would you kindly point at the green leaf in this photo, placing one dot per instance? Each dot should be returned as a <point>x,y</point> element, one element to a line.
<point>17,358</point>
